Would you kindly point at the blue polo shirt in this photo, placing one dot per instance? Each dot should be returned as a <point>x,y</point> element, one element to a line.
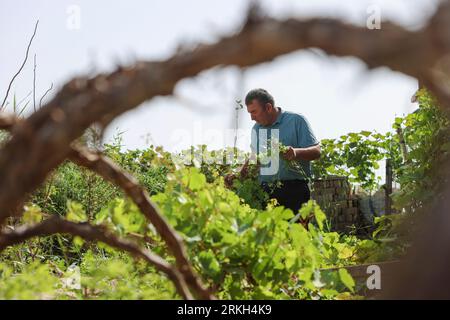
<point>293,130</point>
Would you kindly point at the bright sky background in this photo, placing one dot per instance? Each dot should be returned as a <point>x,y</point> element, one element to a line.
<point>337,95</point>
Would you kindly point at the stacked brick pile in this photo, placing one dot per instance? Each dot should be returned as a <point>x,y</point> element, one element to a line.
<point>334,196</point>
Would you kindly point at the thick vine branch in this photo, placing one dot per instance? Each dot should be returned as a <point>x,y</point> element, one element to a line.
<point>88,232</point>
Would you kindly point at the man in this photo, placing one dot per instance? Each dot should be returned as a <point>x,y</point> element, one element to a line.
<point>291,130</point>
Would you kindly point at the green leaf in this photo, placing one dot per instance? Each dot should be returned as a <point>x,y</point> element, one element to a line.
<point>32,214</point>
<point>197,180</point>
<point>78,242</point>
<point>307,209</point>
<point>287,214</point>
<point>398,121</point>
<point>319,216</point>
<point>224,207</point>
<point>291,259</point>
<point>75,212</point>
<point>347,279</point>
<point>209,263</point>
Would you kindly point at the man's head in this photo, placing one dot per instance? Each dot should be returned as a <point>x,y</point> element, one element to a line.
<point>261,106</point>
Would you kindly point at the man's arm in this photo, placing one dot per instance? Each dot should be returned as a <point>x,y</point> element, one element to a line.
<point>308,154</point>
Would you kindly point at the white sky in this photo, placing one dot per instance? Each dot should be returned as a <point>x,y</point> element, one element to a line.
<point>337,95</point>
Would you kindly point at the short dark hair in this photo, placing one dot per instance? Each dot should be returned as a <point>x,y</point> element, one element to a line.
<point>261,95</point>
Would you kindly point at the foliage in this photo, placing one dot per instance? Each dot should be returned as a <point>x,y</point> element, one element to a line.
<point>242,244</point>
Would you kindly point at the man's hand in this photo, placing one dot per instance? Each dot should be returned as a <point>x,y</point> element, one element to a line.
<point>290,154</point>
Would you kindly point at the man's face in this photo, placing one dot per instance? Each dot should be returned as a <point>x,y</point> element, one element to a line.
<point>258,112</point>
